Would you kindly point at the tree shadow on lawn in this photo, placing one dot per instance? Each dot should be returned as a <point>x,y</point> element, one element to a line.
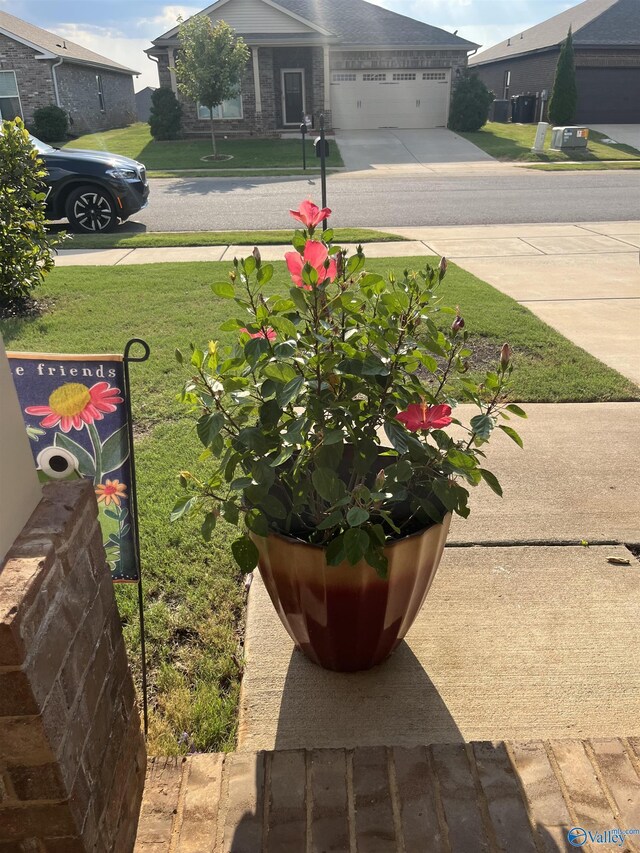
<point>206,186</point>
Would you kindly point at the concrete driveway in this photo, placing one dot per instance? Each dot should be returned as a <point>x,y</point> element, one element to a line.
<point>405,150</point>
<point>627,134</point>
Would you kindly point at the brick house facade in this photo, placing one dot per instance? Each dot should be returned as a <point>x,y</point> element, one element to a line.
<point>38,68</point>
<point>299,46</point>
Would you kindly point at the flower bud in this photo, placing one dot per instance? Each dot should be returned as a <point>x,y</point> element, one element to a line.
<point>233,276</point>
<point>505,356</point>
<point>379,481</point>
<point>339,257</point>
<point>256,255</point>
<point>458,323</point>
<point>443,266</point>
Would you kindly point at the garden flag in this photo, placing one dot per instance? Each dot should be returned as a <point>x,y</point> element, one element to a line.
<point>77,417</point>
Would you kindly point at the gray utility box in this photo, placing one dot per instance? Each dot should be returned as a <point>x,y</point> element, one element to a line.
<point>569,137</point>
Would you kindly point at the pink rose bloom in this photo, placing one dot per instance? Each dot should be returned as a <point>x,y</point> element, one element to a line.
<point>316,255</point>
<point>420,416</point>
<point>310,214</point>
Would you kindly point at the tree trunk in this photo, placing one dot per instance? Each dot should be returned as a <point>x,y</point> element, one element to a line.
<point>213,135</point>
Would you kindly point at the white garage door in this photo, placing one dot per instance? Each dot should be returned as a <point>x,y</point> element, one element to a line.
<point>362,100</point>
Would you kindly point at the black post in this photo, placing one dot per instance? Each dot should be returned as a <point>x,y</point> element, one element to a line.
<point>303,131</point>
<point>134,517</point>
<point>323,168</point>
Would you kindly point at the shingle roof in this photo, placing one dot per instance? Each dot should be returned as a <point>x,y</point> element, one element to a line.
<point>593,22</point>
<point>58,45</point>
<point>356,22</point>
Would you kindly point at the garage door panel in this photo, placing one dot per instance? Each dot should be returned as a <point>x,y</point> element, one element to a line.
<point>403,99</point>
<point>608,95</point>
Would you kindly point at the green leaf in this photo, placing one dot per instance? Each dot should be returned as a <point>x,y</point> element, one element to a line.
<point>283,325</point>
<point>86,465</point>
<point>245,554</point>
<point>279,372</point>
<point>256,522</point>
<point>492,481</point>
<point>354,265</point>
<point>460,459</point>
<point>255,348</point>
<point>230,512</point>
<point>208,526</point>
<point>179,357</point>
<point>288,392</point>
<point>335,553</point>
<point>516,410</point>
<point>327,484</point>
<point>378,561</point>
<point>115,450</point>
<point>298,297</point>
<point>482,426</point>
<point>209,426</point>
<point>333,520</point>
<point>183,507</point>
<point>513,435</point>
<point>397,436</point>
<point>265,274</point>
<point>223,289</point>
<point>357,516</point>
<point>231,325</point>
<point>356,544</point>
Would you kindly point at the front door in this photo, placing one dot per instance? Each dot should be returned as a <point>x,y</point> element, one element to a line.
<point>293,105</point>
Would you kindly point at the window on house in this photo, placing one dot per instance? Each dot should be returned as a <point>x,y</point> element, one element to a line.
<point>100,92</point>
<point>226,110</point>
<point>9,97</point>
<point>507,84</point>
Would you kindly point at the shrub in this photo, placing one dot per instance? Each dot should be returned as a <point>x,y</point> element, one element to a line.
<point>25,247</point>
<point>470,104</point>
<point>166,115</point>
<point>50,124</point>
<point>564,95</point>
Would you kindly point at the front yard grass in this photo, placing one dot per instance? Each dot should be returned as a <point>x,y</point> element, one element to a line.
<point>157,239</point>
<point>194,594</point>
<point>513,142</point>
<point>136,142</point>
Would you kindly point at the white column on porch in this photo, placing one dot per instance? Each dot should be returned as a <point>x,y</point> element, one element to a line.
<point>171,56</point>
<point>256,78</point>
<point>327,81</point>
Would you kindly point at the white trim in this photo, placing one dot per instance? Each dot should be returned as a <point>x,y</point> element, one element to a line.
<point>173,32</point>
<point>284,71</point>
<point>327,79</point>
<point>45,53</point>
<point>348,48</point>
<point>171,59</point>
<point>15,77</point>
<point>54,77</point>
<point>256,78</point>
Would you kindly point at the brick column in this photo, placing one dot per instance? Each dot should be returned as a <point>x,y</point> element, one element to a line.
<point>72,756</point>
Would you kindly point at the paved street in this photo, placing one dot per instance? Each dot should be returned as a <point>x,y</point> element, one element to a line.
<point>246,203</point>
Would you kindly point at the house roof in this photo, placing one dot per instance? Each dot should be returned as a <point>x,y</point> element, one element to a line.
<point>356,23</point>
<point>603,23</point>
<point>49,43</point>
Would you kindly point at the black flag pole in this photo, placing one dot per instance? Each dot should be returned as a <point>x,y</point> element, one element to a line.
<point>128,358</point>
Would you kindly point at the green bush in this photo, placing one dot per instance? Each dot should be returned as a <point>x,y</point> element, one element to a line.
<point>50,124</point>
<point>165,118</point>
<point>564,95</point>
<point>470,104</point>
<point>25,247</point>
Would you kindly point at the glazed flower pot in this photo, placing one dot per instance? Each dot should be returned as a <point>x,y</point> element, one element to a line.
<point>345,617</point>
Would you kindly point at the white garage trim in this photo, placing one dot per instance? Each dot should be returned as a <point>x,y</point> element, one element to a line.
<point>401,97</point>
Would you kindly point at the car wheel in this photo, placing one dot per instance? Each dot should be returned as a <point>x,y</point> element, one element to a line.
<point>91,210</point>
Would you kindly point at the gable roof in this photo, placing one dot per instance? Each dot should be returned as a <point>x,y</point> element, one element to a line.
<point>356,22</point>
<point>53,46</point>
<point>604,23</point>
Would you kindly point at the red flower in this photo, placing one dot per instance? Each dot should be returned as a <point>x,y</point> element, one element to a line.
<point>74,405</point>
<point>316,255</point>
<point>270,334</point>
<point>310,214</point>
<point>420,416</point>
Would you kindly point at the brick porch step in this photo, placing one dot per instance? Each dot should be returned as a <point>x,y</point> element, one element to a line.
<point>512,797</point>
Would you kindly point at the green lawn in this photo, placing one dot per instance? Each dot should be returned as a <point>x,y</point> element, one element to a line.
<point>585,167</point>
<point>514,142</point>
<point>193,591</point>
<point>157,239</point>
<point>136,142</point>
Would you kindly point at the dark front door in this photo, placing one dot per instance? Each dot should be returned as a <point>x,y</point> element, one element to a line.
<point>293,96</point>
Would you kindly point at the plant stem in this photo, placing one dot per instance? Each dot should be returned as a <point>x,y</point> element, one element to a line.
<point>97,450</point>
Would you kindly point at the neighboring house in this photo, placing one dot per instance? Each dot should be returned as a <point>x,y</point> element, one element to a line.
<point>361,65</point>
<point>606,38</point>
<point>143,103</point>
<point>38,68</point>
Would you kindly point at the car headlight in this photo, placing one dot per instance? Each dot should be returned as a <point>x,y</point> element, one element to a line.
<point>123,174</point>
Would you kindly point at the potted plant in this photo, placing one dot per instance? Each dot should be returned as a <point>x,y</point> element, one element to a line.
<point>331,432</point>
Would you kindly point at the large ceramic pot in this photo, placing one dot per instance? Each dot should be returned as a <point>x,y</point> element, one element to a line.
<point>345,617</point>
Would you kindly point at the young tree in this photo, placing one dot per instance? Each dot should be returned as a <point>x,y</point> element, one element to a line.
<point>166,114</point>
<point>564,95</point>
<point>25,247</point>
<point>210,63</point>
<point>470,103</point>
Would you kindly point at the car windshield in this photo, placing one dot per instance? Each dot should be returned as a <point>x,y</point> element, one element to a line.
<point>41,147</point>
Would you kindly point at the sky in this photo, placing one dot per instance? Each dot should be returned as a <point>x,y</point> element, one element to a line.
<point>122,29</point>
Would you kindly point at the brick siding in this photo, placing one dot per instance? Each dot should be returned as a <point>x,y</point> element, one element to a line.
<point>35,84</point>
<point>72,756</point>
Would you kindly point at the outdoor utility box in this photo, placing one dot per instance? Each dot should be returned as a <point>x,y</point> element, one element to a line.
<point>569,137</point>
<point>499,110</point>
<point>523,109</point>
<point>319,142</point>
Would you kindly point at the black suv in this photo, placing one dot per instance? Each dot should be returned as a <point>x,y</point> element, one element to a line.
<point>92,189</point>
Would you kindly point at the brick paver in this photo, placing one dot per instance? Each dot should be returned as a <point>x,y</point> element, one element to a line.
<point>444,798</point>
